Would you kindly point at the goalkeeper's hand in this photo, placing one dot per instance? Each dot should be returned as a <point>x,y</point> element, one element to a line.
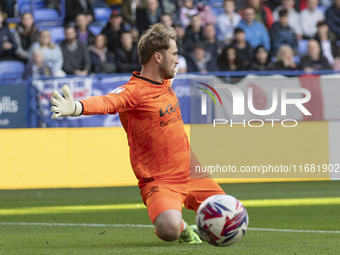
<point>63,106</point>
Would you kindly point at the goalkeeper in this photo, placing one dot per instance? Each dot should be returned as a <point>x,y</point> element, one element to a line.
<point>159,148</point>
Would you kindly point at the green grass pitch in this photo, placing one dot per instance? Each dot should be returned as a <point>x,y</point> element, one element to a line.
<point>82,209</point>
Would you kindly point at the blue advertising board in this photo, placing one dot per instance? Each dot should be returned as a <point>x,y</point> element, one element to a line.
<point>13,106</point>
<point>83,87</point>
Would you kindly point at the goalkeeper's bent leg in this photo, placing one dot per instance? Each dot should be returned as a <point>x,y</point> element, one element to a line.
<point>169,225</point>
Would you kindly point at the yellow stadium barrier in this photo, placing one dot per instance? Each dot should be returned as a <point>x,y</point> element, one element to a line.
<point>99,157</point>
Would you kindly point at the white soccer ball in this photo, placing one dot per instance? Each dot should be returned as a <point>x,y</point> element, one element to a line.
<point>221,220</point>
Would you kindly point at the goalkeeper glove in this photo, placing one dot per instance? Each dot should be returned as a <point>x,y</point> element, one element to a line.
<point>63,106</point>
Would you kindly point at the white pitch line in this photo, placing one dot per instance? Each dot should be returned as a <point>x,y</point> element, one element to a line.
<point>74,224</point>
<point>296,230</point>
<point>152,226</point>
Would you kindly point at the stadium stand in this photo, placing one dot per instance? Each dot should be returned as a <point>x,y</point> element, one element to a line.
<point>11,70</point>
<point>57,33</point>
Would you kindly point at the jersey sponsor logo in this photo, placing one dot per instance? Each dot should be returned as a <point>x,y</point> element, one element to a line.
<point>117,90</point>
<point>170,121</point>
<point>168,110</point>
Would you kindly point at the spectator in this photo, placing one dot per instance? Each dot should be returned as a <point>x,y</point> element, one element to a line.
<point>336,64</point>
<point>187,11</point>
<point>333,18</point>
<point>25,35</point>
<point>74,7</point>
<point>166,20</point>
<point>36,67</point>
<point>282,33</point>
<point>227,21</point>
<point>293,16</point>
<point>263,14</point>
<point>273,4</point>
<point>77,59</point>
<point>149,15</point>
<point>326,3</point>
<point>7,6</point>
<point>114,3</point>
<point>193,34</point>
<point>327,41</point>
<point>207,17</point>
<point>261,60</point>
<point>182,65</point>
<point>83,31</point>
<point>245,51</point>
<point>101,58</point>
<point>256,33</point>
<point>300,5</point>
<point>171,6</point>
<point>129,10</point>
<point>241,4</point>
<point>201,60</point>
<point>210,42</point>
<point>285,59</point>
<point>135,34</point>
<point>53,56</point>
<point>180,33</point>
<point>309,19</point>
<point>113,30</point>
<point>53,4</point>
<point>314,60</point>
<point>7,42</point>
<point>229,60</point>
<point>127,55</point>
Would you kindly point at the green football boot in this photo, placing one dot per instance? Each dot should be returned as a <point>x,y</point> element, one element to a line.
<point>190,235</point>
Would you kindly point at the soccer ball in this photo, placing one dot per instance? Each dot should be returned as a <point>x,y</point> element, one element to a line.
<point>221,220</point>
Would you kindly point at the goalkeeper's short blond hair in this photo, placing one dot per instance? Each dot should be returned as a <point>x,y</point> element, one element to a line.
<point>155,39</point>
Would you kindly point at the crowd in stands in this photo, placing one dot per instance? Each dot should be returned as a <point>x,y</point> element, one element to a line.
<point>234,36</point>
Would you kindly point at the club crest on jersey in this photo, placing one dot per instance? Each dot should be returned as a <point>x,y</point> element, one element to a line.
<point>117,90</point>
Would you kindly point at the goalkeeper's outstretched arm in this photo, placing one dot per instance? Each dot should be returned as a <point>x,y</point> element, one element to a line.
<point>63,106</point>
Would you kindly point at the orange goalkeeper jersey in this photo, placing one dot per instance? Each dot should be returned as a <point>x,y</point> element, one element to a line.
<point>150,114</point>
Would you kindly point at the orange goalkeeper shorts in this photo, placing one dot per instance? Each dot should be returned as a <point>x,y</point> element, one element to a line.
<point>160,196</point>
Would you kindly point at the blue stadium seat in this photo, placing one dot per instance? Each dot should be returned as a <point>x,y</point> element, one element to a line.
<point>46,14</point>
<point>297,59</point>
<point>217,11</point>
<point>99,4</point>
<point>216,3</point>
<point>47,17</point>
<point>302,46</point>
<point>25,6</point>
<point>102,14</point>
<point>95,29</point>
<point>322,8</point>
<point>11,69</point>
<point>57,33</point>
